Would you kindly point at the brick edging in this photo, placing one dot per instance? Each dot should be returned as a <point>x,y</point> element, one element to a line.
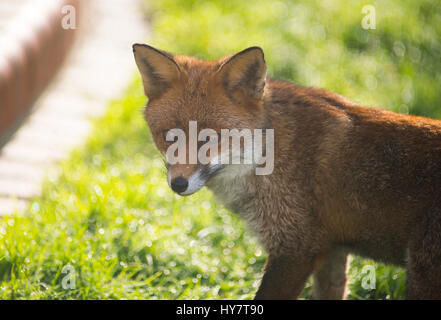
<point>29,64</point>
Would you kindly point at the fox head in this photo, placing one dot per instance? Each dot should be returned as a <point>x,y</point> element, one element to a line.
<point>214,95</point>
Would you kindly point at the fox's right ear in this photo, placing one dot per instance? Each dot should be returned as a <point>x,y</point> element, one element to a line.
<point>245,71</point>
<point>157,68</point>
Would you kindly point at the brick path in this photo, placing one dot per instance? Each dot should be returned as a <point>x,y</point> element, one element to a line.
<point>98,69</point>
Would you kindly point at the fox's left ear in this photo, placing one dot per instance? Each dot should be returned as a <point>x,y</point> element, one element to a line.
<point>245,71</point>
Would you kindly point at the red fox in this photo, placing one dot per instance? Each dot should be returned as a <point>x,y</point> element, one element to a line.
<point>345,179</point>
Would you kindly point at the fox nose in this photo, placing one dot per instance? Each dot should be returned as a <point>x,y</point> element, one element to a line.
<point>179,184</point>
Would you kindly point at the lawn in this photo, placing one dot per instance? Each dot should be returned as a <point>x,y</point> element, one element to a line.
<point>109,227</point>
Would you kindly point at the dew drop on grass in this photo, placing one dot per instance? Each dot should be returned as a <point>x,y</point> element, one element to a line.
<point>158,163</point>
<point>114,172</point>
<point>160,192</point>
<point>206,205</point>
<point>98,191</point>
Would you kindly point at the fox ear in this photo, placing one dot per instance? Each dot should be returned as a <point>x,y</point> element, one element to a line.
<point>245,71</point>
<point>157,68</point>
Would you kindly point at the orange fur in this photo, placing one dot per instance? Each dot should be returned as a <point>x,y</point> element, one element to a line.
<point>346,178</point>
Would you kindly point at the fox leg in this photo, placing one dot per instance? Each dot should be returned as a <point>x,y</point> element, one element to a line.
<point>424,265</point>
<point>284,277</point>
<point>330,278</point>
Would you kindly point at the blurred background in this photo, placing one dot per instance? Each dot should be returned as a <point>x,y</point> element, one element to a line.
<point>86,211</point>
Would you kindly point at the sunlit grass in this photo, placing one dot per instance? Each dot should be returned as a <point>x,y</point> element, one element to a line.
<point>112,217</point>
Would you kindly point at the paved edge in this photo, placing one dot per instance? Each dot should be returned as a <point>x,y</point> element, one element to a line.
<point>33,49</point>
<point>97,70</point>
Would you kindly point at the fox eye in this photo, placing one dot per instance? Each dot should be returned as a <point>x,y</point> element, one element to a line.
<point>218,136</point>
<point>164,136</point>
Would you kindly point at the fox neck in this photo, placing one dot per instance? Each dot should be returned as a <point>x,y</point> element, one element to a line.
<point>234,187</point>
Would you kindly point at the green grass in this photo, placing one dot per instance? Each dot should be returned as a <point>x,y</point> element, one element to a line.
<point>110,216</point>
